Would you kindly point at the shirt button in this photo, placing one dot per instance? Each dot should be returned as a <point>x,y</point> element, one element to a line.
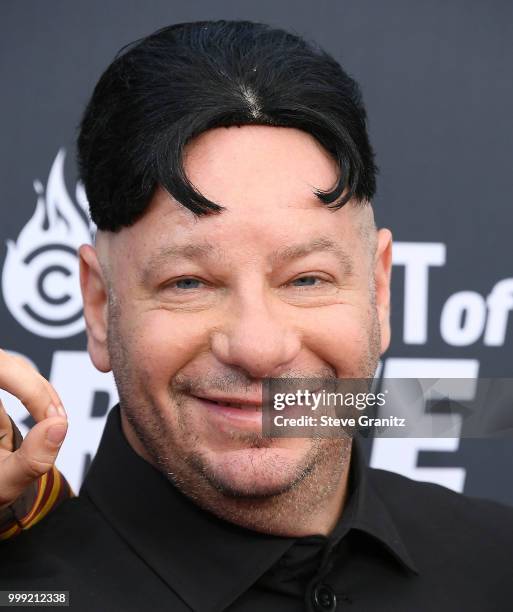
<point>324,599</point>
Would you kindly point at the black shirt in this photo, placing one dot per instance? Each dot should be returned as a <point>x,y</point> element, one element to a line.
<point>132,542</point>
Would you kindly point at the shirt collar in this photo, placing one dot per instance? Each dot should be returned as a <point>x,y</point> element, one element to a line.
<point>182,542</point>
<point>369,512</point>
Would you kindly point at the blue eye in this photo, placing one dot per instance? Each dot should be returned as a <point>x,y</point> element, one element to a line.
<point>306,281</point>
<point>187,283</point>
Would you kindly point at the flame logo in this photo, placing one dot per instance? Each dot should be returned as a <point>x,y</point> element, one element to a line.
<point>40,279</point>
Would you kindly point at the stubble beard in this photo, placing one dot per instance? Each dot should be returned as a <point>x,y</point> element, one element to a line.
<point>175,453</point>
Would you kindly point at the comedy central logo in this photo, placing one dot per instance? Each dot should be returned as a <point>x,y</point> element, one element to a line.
<point>40,279</point>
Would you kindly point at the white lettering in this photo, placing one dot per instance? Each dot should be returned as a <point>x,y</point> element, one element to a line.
<point>463,318</point>
<point>417,258</point>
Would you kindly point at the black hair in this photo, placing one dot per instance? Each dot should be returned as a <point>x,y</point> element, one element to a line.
<point>184,79</point>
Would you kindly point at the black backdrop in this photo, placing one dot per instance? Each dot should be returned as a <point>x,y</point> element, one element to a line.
<point>437,79</point>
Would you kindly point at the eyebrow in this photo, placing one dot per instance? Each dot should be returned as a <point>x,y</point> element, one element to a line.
<point>187,251</point>
<point>319,244</point>
<point>206,250</point>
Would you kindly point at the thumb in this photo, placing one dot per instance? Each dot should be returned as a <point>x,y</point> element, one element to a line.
<point>34,457</point>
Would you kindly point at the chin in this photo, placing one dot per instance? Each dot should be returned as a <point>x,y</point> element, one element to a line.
<point>255,472</point>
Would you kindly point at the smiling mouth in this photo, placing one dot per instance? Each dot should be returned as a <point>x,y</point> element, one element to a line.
<point>225,404</point>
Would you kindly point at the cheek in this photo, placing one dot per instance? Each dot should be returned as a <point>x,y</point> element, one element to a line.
<point>339,335</point>
<point>162,343</point>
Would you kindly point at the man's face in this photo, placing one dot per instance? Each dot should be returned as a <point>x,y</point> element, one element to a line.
<point>202,309</point>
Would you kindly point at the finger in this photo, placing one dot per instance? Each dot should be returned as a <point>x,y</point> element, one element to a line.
<point>27,366</point>
<point>35,457</point>
<point>18,377</point>
<point>56,400</point>
<point>6,432</point>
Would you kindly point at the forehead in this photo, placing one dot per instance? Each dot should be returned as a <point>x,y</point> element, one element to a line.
<point>265,178</point>
<point>285,162</point>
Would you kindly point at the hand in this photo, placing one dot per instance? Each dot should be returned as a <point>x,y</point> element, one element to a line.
<point>21,467</point>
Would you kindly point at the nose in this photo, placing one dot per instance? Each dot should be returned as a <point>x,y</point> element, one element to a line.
<point>256,338</point>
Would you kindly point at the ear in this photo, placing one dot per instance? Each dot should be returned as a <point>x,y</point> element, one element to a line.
<point>382,277</point>
<point>95,299</point>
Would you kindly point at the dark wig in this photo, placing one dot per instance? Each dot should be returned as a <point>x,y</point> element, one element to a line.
<point>161,91</point>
